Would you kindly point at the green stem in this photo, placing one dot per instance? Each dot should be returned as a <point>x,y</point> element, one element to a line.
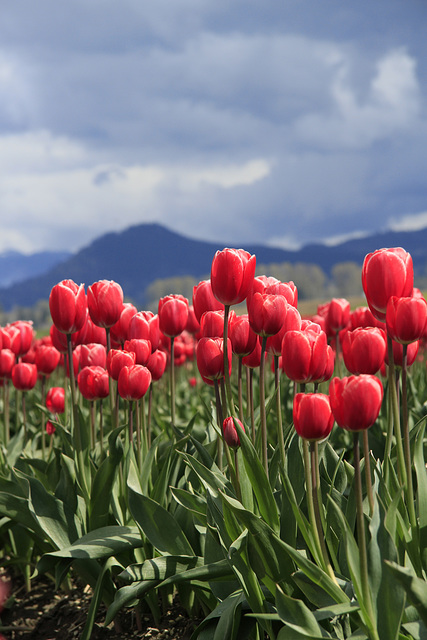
<point>317,551</point>
<point>361,537</point>
<point>264,450</point>
<point>401,469</point>
<point>239,388</point>
<point>280,438</point>
<point>172,381</point>
<point>315,488</point>
<point>250,384</point>
<point>226,371</point>
<point>220,420</point>
<point>368,477</point>
<point>406,441</point>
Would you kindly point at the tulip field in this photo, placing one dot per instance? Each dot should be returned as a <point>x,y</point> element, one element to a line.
<point>265,470</point>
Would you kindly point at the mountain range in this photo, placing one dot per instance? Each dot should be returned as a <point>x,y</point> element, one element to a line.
<point>141,254</point>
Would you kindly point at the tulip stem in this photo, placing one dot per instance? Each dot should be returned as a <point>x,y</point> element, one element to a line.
<point>396,416</point>
<point>406,440</point>
<point>250,393</point>
<point>239,388</point>
<point>172,380</point>
<point>368,477</point>
<point>361,537</point>
<point>280,437</point>
<point>226,369</point>
<point>262,406</point>
<point>314,461</point>
<point>316,551</point>
<point>220,420</point>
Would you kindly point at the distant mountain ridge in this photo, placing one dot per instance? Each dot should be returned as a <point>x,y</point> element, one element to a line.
<point>17,267</point>
<point>141,254</point>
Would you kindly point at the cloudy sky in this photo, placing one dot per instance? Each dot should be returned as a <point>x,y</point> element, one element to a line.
<point>240,121</point>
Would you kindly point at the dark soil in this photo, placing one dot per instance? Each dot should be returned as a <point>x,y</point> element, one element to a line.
<point>46,614</point>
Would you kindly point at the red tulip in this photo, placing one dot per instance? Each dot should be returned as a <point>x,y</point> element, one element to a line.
<point>386,273</point>
<point>24,376</point>
<point>364,349</point>
<point>133,382</point>
<point>312,414</point>
<point>232,273</point>
<point>90,333</point>
<point>406,318</point>
<point>192,325</point>
<point>141,349</point>
<point>119,330</point>
<point>242,337</point>
<point>286,289</point>
<point>47,359</point>
<point>50,430</point>
<point>93,355</point>
<point>67,304</point>
<point>55,400</point>
<point>411,353</point>
<point>157,364</point>
<point>173,315</point>
<point>292,322</point>
<point>105,302</point>
<point>336,314</point>
<point>212,323</point>
<point>304,354</point>
<point>356,401</point>
<point>145,325</point>
<point>204,299</point>
<point>253,359</point>
<point>93,383</point>
<point>21,335</point>
<point>229,431</point>
<point>210,357</point>
<point>117,359</point>
<point>7,361</point>
<point>267,313</point>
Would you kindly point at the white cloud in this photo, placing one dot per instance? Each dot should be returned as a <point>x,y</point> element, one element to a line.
<point>409,222</point>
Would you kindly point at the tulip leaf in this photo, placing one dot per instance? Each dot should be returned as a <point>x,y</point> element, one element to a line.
<point>160,527</point>
<point>298,617</point>
<point>416,588</point>
<point>260,483</point>
<point>420,470</point>
<point>102,486</point>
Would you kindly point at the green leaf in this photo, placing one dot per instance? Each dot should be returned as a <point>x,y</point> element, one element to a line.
<point>416,588</point>
<point>102,486</point>
<point>160,527</point>
<point>259,481</point>
<point>421,472</point>
<point>297,616</point>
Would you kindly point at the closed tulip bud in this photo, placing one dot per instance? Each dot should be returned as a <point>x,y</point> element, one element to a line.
<point>141,349</point>
<point>7,361</point>
<point>105,302</point>
<point>55,400</point>
<point>157,364</point>
<point>204,299</point>
<point>253,359</point>
<point>364,349</point>
<point>212,324</point>
<point>133,382</point>
<point>192,325</point>
<point>67,304</point>
<point>312,415</point>
<point>119,330</point>
<point>286,289</point>
<point>50,430</point>
<point>21,336</point>
<point>292,322</point>
<point>243,338</point>
<point>386,273</point>
<point>232,273</point>
<point>356,401</point>
<point>210,357</point>
<point>93,355</point>
<point>406,318</point>
<point>259,285</point>
<point>117,359</point>
<point>173,315</point>
<point>267,313</point>
<point>336,314</point>
<point>90,333</point>
<point>93,383</point>
<point>24,376</point>
<point>47,359</point>
<point>229,431</point>
<point>145,326</point>
<point>329,365</point>
<point>304,354</point>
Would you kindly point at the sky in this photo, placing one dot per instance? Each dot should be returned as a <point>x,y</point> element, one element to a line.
<point>277,122</point>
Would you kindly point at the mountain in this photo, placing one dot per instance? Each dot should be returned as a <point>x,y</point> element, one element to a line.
<point>16,266</point>
<point>141,254</point>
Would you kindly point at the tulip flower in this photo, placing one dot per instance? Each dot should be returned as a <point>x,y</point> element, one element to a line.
<point>117,359</point>
<point>145,325</point>
<point>411,353</point>
<point>24,376</point>
<point>242,337</point>
<point>210,358</point>
<point>204,299</point>
<point>312,415</point>
<point>212,323</point>
<point>386,273</point>
<point>267,313</point>
<point>55,400</point>
<point>67,304</point>
<point>232,273</point>
<point>192,325</point>
<point>286,289</point>
<point>141,349</point>
<point>133,382</point>
<point>364,349</point>
<point>229,431</point>
<point>406,318</point>
<point>304,354</point>
<point>173,315</point>
<point>356,401</point>
<point>21,335</point>
<point>7,361</point>
<point>93,355</point>
<point>105,303</point>
<point>119,330</point>
<point>93,382</point>
<point>156,364</point>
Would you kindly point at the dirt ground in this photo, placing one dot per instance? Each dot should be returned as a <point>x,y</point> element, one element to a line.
<point>45,614</point>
